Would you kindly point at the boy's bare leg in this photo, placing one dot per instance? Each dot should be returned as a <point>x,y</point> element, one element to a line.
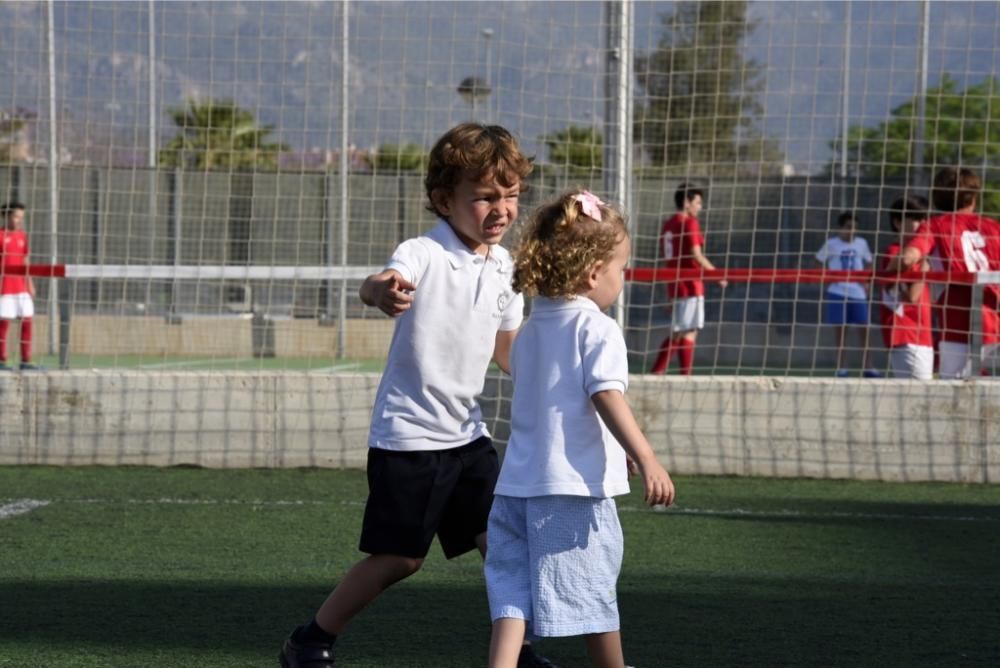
<point>506,642</point>
<point>840,333</point>
<point>605,649</point>
<point>481,544</point>
<point>865,358</point>
<point>360,586</point>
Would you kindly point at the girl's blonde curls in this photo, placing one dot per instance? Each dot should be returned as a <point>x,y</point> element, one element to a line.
<point>560,244</point>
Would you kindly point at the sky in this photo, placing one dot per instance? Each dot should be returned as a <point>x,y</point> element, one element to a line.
<point>544,61</point>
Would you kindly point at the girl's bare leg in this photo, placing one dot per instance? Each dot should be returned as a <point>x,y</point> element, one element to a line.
<point>605,649</point>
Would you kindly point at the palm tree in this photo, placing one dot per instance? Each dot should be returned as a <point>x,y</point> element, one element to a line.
<point>219,135</point>
<point>579,149</point>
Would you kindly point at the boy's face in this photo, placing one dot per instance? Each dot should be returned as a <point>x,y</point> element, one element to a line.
<point>692,206</point>
<point>15,219</point>
<point>847,230</point>
<point>481,212</point>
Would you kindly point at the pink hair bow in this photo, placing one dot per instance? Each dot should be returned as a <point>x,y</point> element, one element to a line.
<point>590,204</point>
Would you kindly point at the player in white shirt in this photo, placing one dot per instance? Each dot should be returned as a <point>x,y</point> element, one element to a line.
<point>431,464</point>
<point>846,303</point>
<point>555,540</point>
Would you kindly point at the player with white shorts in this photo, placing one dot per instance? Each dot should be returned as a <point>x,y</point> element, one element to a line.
<point>688,314</point>
<point>16,306</point>
<point>16,285</point>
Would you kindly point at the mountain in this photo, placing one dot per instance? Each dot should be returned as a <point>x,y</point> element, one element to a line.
<point>544,60</point>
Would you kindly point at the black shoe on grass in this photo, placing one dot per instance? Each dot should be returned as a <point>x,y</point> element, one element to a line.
<point>297,654</point>
<point>28,366</point>
<point>529,659</point>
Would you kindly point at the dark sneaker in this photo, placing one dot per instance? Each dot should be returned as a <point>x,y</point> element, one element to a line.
<point>28,366</point>
<point>872,373</point>
<point>529,659</point>
<point>296,654</point>
<point>4,367</point>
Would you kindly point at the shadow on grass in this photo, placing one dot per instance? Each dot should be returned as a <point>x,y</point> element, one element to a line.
<point>677,621</point>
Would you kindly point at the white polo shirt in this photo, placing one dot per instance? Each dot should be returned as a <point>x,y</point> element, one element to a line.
<point>442,346</point>
<point>567,351</point>
<point>840,255</point>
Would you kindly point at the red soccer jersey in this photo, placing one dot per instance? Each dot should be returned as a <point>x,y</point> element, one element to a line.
<point>958,243</point>
<point>680,234</point>
<point>904,322</point>
<point>13,253</point>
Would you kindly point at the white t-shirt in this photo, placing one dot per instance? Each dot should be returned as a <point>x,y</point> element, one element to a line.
<point>840,255</point>
<point>442,346</point>
<point>567,351</point>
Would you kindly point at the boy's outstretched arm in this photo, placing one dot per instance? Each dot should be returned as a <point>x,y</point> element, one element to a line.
<point>704,262</point>
<point>501,349</point>
<point>389,291</point>
<point>615,412</point>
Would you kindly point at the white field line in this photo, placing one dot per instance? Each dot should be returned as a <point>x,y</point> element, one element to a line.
<point>228,360</point>
<point>336,367</point>
<point>20,507</point>
<point>25,505</point>
<point>740,513</point>
<point>191,363</point>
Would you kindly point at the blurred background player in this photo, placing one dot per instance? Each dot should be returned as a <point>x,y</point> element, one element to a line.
<point>555,539</point>
<point>682,247</point>
<point>958,240</point>
<point>846,303</point>
<point>906,305</point>
<point>17,290</point>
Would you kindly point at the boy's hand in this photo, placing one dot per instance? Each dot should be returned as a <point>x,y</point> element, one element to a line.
<point>389,292</point>
<point>395,296</point>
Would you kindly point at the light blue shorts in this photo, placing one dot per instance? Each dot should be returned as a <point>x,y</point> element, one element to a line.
<point>554,561</point>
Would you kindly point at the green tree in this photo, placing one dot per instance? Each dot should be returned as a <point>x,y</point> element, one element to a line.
<point>14,146</point>
<point>962,127</point>
<point>576,148</point>
<point>697,105</point>
<point>397,158</point>
<point>219,135</point>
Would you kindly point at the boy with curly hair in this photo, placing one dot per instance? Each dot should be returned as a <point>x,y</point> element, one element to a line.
<point>431,464</point>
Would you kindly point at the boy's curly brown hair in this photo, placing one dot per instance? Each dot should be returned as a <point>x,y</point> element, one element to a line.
<point>560,244</point>
<point>478,151</point>
<point>955,188</point>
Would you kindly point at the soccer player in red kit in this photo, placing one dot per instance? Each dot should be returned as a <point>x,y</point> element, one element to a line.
<point>681,246</point>
<point>17,290</point>
<point>906,305</point>
<point>959,240</point>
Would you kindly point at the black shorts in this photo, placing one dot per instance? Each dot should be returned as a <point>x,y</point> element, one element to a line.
<point>414,495</point>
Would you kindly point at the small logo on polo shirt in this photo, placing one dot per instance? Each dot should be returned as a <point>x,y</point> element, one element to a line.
<point>502,300</point>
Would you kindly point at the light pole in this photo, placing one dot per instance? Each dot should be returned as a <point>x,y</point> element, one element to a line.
<point>487,34</point>
<point>473,89</point>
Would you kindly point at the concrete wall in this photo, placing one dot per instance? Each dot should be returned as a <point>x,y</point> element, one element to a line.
<point>749,346</point>
<point>166,419</point>
<point>873,430</point>
<point>222,337</point>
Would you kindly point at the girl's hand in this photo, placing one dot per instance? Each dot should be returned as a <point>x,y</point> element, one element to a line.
<point>659,487</point>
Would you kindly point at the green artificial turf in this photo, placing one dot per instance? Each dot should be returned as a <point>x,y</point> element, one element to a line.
<point>190,567</point>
